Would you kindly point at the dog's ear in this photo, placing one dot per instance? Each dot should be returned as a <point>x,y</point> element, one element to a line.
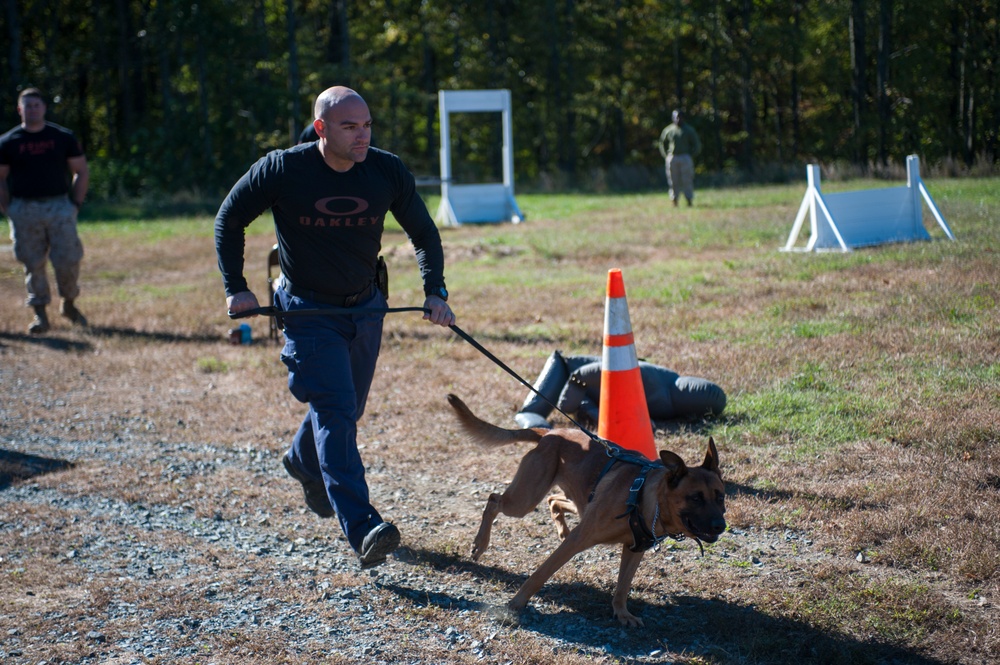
<point>711,462</point>
<point>676,468</point>
<point>671,460</point>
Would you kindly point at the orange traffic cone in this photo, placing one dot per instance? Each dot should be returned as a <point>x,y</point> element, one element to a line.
<point>623,414</point>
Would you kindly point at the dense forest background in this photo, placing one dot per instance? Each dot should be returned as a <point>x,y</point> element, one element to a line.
<point>179,98</point>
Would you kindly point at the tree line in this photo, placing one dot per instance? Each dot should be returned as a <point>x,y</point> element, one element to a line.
<point>180,97</point>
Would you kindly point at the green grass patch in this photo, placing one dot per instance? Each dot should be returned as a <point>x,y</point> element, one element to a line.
<point>860,602</point>
<point>809,413</point>
<point>211,365</point>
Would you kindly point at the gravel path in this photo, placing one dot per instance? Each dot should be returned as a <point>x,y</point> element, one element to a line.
<point>164,547</point>
<point>148,583</point>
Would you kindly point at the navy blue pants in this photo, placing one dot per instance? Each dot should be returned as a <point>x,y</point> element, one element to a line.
<point>331,363</point>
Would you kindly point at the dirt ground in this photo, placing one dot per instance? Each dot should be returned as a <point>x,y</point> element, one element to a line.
<point>146,517</point>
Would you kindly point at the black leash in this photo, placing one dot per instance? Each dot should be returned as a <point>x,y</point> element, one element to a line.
<point>611,447</point>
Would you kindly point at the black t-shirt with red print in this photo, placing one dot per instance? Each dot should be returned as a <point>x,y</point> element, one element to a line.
<point>37,160</point>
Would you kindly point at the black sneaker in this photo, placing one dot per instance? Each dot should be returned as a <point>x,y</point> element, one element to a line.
<point>315,492</point>
<point>379,542</point>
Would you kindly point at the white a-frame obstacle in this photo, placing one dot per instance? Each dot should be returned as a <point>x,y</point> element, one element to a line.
<point>489,202</point>
<point>845,220</point>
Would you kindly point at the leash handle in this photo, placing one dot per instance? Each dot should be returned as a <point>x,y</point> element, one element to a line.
<point>274,311</point>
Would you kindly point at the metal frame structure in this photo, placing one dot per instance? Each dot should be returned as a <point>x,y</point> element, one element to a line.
<point>871,217</point>
<point>483,202</point>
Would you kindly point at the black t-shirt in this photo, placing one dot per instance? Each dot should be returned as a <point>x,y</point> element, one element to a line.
<point>37,160</point>
<point>328,224</point>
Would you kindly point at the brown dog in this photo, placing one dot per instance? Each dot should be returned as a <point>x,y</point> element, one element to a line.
<point>676,499</point>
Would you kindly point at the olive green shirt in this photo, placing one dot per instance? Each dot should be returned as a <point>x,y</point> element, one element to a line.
<point>679,140</point>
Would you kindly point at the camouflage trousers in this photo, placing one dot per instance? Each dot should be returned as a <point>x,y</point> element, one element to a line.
<point>41,230</point>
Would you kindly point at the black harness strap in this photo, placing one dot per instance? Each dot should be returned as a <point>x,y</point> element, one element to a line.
<point>604,472</point>
<point>643,537</point>
<point>619,454</point>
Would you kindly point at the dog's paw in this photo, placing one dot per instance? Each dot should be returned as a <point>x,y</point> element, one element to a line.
<point>477,551</point>
<point>506,616</point>
<point>628,619</point>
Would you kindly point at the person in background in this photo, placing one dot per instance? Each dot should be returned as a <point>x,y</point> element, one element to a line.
<point>679,144</point>
<point>329,200</point>
<point>43,183</point>
<point>308,134</point>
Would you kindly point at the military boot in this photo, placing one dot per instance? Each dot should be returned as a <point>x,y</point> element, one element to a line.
<point>69,310</point>
<point>40,324</point>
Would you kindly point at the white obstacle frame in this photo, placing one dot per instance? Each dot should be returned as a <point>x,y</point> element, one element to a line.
<point>864,218</point>
<point>484,202</point>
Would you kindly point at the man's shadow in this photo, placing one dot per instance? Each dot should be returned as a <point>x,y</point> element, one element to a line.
<point>15,466</point>
<point>78,343</point>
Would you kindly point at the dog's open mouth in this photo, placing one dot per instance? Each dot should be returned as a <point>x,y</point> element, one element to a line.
<point>708,536</point>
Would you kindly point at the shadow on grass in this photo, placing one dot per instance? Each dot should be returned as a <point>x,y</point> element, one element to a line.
<point>768,495</point>
<point>154,336</point>
<point>580,616</point>
<point>839,503</point>
<point>21,466</point>
<point>700,426</point>
<point>61,344</point>
<point>54,343</point>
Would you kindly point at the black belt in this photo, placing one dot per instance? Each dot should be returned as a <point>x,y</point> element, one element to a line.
<point>328,298</point>
<point>42,198</point>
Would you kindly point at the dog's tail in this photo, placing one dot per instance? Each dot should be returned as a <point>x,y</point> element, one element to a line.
<point>486,434</point>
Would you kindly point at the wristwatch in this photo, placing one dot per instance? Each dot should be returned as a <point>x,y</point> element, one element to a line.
<point>438,291</point>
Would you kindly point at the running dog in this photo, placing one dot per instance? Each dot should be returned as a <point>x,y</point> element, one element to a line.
<point>602,485</point>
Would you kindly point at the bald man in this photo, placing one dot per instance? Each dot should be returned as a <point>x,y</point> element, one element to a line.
<point>329,201</point>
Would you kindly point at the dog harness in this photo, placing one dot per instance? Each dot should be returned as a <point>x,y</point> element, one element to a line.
<point>644,538</point>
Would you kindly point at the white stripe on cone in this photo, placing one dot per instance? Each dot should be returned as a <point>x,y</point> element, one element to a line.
<point>619,358</point>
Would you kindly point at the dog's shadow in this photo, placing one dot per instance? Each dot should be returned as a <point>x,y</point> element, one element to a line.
<point>707,628</point>
<point>15,466</point>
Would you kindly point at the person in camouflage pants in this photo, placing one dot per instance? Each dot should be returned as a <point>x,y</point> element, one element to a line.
<point>42,204</point>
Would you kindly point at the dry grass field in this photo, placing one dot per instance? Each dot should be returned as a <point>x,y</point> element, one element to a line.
<point>145,517</point>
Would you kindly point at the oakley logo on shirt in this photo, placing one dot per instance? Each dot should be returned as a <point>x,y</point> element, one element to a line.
<point>342,211</point>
